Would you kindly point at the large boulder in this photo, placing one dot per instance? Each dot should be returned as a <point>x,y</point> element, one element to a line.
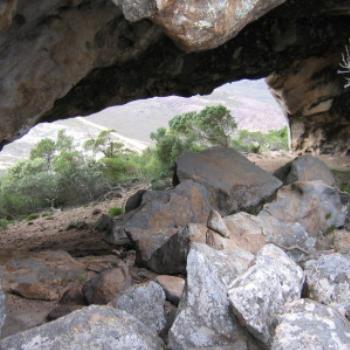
<point>164,213</point>
<point>314,205</point>
<point>204,319</point>
<point>328,280</point>
<point>305,168</point>
<point>307,325</point>
<point>234,182</point>
<point>94,327</point>
<point>44,275</point>
<point>260,293</point>
<point>146,303</point>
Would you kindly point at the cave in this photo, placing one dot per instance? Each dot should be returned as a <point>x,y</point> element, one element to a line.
<point>65,58</point>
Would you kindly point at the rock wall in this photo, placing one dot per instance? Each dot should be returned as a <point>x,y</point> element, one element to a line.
<point>73,57</point>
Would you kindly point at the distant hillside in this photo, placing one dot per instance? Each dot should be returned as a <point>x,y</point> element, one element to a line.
<point>250,103</point>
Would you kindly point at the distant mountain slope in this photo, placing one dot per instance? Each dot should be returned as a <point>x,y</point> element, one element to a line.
<point>249,101</point>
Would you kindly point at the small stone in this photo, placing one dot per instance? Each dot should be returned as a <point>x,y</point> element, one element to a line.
<point>173,287</point>
<point>217,224</point>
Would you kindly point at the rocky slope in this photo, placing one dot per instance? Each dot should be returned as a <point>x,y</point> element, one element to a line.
<point>60,59</point>
<point>190,268</point>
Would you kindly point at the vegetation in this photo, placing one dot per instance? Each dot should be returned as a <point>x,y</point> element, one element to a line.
<point>59,174</point>
<point>345,65</point>
<point>115,211</point>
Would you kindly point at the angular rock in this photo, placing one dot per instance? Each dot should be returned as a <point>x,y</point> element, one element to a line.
<point>341,241</point>
<point>171,257</point>
<point>251,233</point>
<point>61,311</point>
<point>217,224</point>
<point>204,319</point>
<point>317,207</point>
<point>173,287</point>
<point>164,213</point>
<point>146,303</point>
<point>102,288</point>
<point>73,296</point>
<point>305,168</point>
<point>2,308</point>
<point>94,327</point>
<point>260,293</point>
<point>328,280</point>
<point>307,325</point>
<point>234,182</point>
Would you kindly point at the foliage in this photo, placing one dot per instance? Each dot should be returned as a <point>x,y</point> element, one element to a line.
<point>258,142</point>
<point>115,211</point>
<point>59,174</point>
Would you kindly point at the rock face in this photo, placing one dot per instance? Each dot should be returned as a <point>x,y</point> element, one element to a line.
<point>233,181</point>
<point>260,293</point>
<point>306,168</point>
<point>203,319</point>
<point>146,303</point>
<point>173,287</point>
<point>97,327</point>
<point>328,280</point>
<point>162,214</point>
<point>314,205</point>
<point>307,325</point>
<point>77,57</point>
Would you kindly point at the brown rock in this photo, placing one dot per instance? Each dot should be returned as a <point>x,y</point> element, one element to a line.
<point>62,310</point>
<point>234,182</point>
<point>105,286</point>
<point>217,224</point>
<point>173,287</point>
<point>73,296</point>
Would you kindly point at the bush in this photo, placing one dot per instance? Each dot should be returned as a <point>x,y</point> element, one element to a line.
<point>115,211</point>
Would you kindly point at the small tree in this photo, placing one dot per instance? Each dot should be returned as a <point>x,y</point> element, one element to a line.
<point>345,65</point>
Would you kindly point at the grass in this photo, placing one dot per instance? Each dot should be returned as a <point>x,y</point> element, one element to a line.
<point>115,211</point>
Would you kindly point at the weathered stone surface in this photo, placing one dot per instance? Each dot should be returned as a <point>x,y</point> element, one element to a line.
<point>173,287</point>
<point>102,288</point>
<point>260,293</point>
<point>2,308</point>
<point>206,26</point>
<point>341,241</point>
<point>94,327</point>
<point>251,233</point>
<point>328,280</point>
<point>217,224</point>
<point>307,325</point>
<point>233,181</point>
<point>146,303</point>
<point>162,214</point>
<point>43,276</point>
<point>204,319</point>
<point>306,168</point>
<point>314,205</point>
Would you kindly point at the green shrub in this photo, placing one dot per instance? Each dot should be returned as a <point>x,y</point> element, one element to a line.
<point>115,211</point>
<point>4,223</point>
<point>32,217</point>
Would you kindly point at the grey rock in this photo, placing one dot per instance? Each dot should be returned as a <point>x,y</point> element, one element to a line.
<point>162,214</point>
<point>217,224</point>
<point>328,280</point>
<point>2,309</point>
<point>307,325</point>
<point>204,319</point>
<point>94,327</point>
<point>234,182</point>
<point>260,293</point>
<point>145,302</point>
<point>317,207</point>
<point>305,168</point>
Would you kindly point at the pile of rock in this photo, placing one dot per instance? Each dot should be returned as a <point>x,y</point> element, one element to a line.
<point>230,258</point>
